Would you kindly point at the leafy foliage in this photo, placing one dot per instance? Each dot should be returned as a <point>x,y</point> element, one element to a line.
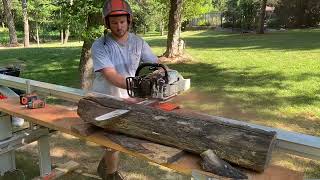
<point>80,12</point>
<point>298,13</point>
<point>239,13</point>
<point>195,8</point>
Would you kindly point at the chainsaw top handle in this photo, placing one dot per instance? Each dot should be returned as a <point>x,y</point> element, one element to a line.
<point>153,66</point>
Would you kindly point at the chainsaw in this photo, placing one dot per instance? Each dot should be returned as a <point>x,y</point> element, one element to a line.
<point>154,82</point>
<point>159,82</point>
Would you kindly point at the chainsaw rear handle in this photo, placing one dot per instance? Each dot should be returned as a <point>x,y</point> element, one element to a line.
<point>153,65</point>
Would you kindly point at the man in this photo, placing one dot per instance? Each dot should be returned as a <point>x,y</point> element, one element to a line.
<point>116,56</point>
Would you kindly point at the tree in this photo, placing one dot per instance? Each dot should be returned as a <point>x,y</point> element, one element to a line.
<point>149,15</point>
<point>262,15</point>
<point>93,30</point>
<point>2,18</point>
<point>297,13</point>
<point>239,13</point>
<point>25,23</point>
<point>174,27</point>
<point>41,14</point>
<point>196,8</point>
<point>63,18</point>
<point>10,22</point>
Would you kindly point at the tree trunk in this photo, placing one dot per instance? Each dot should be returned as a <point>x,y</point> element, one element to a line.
<point>26,40</point>
<point>85,66</point>
<point>38,38</point>
<point>242,145</point>
<point>174,28</point>
<point>10,23</point>
<point>67,31</point>
<point>221,20</point>
<point>66,36</point>
<point>261,17</point>
<point>62,36</point>
<point>161,28</point>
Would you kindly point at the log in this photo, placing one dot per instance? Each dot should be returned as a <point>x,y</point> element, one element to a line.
<point>238,144</point>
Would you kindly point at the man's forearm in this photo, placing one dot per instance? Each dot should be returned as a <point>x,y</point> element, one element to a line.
<point>115,78</point>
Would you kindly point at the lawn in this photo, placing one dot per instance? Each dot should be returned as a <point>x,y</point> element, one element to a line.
<point>270,79</point>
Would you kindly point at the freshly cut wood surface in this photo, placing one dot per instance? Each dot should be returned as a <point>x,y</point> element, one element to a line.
<point>242,145</point>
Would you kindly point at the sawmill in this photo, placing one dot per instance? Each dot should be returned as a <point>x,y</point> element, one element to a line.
<point>153,128</point>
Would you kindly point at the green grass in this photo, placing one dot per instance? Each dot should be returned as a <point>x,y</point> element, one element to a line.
<point>51,63</point>
<point>271,79</point>
<point>274,76</point>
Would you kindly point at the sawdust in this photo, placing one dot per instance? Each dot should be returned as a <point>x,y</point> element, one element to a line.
<point>214,105</point>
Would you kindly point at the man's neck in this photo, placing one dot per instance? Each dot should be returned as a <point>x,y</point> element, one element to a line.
<point>121,40</point>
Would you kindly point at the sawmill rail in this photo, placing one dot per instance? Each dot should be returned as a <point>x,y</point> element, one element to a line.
<point>292,142</point>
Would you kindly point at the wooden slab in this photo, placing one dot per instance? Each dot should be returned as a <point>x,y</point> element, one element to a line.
<point>61,119</point>
<point>85,129</point>
<point>159,153</point>
<point>60,171</point>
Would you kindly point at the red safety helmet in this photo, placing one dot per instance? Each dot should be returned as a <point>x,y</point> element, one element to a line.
<point>116,7</point>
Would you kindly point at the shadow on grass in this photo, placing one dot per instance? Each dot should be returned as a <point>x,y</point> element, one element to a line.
<point>89,155</point>
<point>247,95</point>
<point>64,148</point>
<point>52,65</point>
<point>27,168</point>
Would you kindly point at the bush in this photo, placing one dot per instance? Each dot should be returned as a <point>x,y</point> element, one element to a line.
<point>4,30</point>
<point>203,22</point>
<point>273,23</point>
<point>4,41</point>
<point>4,36</point>
<point>229,24</point>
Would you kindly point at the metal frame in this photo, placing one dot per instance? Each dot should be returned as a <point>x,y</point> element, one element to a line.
<point>10,141</point>
<point>292,142</point>
<point>295,143</point>
<point>22,138</point>
<point>7,159</point>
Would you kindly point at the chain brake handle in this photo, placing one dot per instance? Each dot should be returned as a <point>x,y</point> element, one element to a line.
<point>153,67</point>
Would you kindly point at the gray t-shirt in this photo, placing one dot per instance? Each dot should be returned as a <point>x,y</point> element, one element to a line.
<point>106,52</point>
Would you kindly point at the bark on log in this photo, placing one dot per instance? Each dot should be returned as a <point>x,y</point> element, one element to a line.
<point>242,145</point>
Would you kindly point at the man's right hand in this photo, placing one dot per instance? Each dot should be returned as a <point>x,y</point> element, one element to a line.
<point>114,77</point>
